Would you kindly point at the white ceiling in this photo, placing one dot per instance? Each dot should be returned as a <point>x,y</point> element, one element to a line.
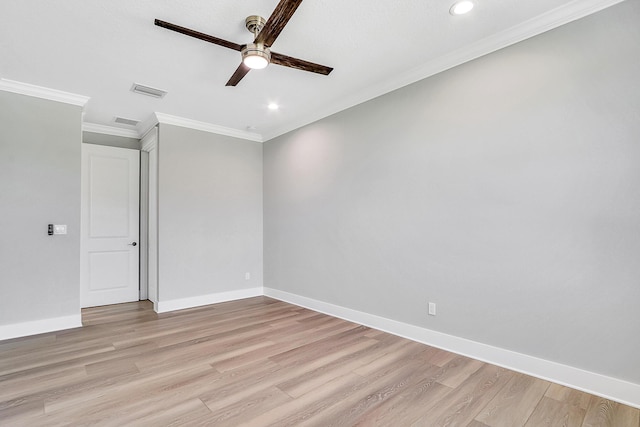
<point>99,48</point>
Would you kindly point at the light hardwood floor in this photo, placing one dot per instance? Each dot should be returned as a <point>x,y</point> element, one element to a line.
<point>262,362</point>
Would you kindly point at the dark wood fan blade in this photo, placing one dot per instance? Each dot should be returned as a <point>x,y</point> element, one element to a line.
<point>277,21</point>
<point>198,35</point>
<point>299,64</point>
<point>241,71</point>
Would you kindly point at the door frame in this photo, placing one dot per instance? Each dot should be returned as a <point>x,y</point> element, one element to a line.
<point>144,225</point>
<point>149,285</point>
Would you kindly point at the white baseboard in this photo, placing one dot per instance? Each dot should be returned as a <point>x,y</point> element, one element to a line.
<point>182,303</point>
<point>611,388</point>
<point>601,385</point>
<point>35,327</point>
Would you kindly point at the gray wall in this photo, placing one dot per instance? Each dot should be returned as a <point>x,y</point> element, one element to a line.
<point>506,190</point>
<point>39,184</point>
<point>210,213</point>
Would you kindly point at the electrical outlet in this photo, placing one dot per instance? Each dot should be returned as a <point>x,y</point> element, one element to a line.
<point>432,309</point>
<point>247,276</point>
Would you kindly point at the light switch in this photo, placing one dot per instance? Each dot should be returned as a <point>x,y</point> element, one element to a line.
<point>59,229</point>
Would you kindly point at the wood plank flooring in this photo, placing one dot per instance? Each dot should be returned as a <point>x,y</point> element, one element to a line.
<point>262,362</point>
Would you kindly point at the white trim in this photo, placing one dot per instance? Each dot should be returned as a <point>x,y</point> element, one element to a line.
<point>150,146</point>
<point>109,130</point>
<point>150,140</point>
<point>538,25</point>
<point>207,127</point>
<point>35,327</point>
<point>145,126</point>
<point>144,225</point>
<point>182,303</point>
<point>43,92</point>
<point>611,388</point>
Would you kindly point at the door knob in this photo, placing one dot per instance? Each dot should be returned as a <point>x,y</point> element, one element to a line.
<point>133,244</point>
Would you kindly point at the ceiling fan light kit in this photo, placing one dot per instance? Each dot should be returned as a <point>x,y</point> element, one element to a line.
<point>258,54</point>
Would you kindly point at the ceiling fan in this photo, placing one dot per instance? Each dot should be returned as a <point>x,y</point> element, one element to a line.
<point>258,54</point>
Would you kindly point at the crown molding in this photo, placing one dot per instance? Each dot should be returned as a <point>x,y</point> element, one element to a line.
<point>109,130</point>
<point>43,92</point>
<point>207,127</point>
<point>147,125</point>
<point>150,140</point>
<point>555,18</point>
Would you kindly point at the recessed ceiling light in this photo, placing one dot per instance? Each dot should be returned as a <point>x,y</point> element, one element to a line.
<point>461,7</point>
<point>273,106</point>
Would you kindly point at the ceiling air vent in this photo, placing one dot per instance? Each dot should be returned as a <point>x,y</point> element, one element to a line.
<point>128,122</point>
<point>147,90</point>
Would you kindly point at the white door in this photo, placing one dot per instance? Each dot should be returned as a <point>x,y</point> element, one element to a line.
<point>109,225</point>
